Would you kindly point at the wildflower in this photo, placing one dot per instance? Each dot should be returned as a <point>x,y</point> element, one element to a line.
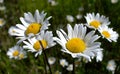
<point>2,8</point>
<point>63,62</point>
<point>95,21</point>
<point>1,1</point>
<point>34,45</point>
<point>111,66</point>
<point>70,67</point>
<point>12,30</point>
<point>32,25</point>
<point>53,2</point>
<point>16,52</point>
<point>80,9</point>
<point>22,54</point>
<point>2,22</point>
<point>108,33</point>
<point>51,60</point>
<point>70,18</point>
<point>114,1</point>
<point>78,16</point>
<point>77,43</point>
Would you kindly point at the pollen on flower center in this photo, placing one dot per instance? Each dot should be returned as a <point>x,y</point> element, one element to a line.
<point>16,53</point>
<point>95,23</point>
<point>76,45</point>
<point>106,34</point>
<point>37,45</point>
<point>33,28</point>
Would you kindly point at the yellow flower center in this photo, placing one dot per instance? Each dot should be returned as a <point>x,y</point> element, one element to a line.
<point>76,45</point>
<point>95,23</point>
<point>106,34</point>
<point>33,28</point>
<point>16,53</point>
<point>21,56</point>
<point>1,22</point>
<point>37,46</point>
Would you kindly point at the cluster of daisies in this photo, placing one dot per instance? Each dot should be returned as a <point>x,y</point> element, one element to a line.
<point>78,41</point>
<point>33,33</point>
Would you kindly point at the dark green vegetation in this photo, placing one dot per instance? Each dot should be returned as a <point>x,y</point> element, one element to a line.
<point>32,65</point>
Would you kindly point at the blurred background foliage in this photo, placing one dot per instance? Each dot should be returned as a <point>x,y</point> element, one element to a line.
<point>17,8</point>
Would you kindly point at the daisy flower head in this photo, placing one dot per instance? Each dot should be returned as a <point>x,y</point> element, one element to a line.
<point>2,22</point>
<point>51,60</point>
<point>111,66</point>
<point>108,33</point>
<point>77,43</point>
<point>34,45</point>
<point>96,20</point>
<point>70,18</point>
<point>70,67</point>
<point>63,62</point>
<point>15,52</point>
<point>32,24</point>
<point>12,31</point>
<point>22,54</point>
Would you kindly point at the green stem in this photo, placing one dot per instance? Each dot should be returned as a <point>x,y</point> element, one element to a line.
<point>73,72</point>
<point>45,57</point>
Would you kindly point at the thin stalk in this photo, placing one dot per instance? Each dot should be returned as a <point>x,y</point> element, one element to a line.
<point>45,57</point>
<point>73,72</point>
<point>45,65</point>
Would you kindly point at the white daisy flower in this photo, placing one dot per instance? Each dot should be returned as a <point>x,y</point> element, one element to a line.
<point>78,43</point>
<point>78,16</point>
<point>70,18</point>
<point>33,44</point>
<point>51,60</point>
<point>111,66</point>
<point>114,1</point>
<point>2,8</point>
<point>95,21</point>
<point>2,22</point>
<point>32,25</point>
<point>63,62</point>
<point>53,2</point>
<point>70,67</point>
<point>22,54</point>
<point>1,1</point>
<point>12,30</point>
<point>108,33</point>
<point>16,52</point>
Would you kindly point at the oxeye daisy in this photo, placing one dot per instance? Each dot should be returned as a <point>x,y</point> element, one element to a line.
<point>34,45</point>
<point>108,33</point>
<point>2,22</point>
<point>32,25</point>
<point>51,60</point>
<point>12,30</point>
<point>77,43</point>
<point>63,62</point>
<point>95,21</point>
<point>111,66</point>
<point>15,52</point>
<point>70,67</point>
<point>22,54</point>
<point>70,18</point>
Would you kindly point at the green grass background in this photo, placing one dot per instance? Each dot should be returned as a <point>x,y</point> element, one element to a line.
<point>32,65</point>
